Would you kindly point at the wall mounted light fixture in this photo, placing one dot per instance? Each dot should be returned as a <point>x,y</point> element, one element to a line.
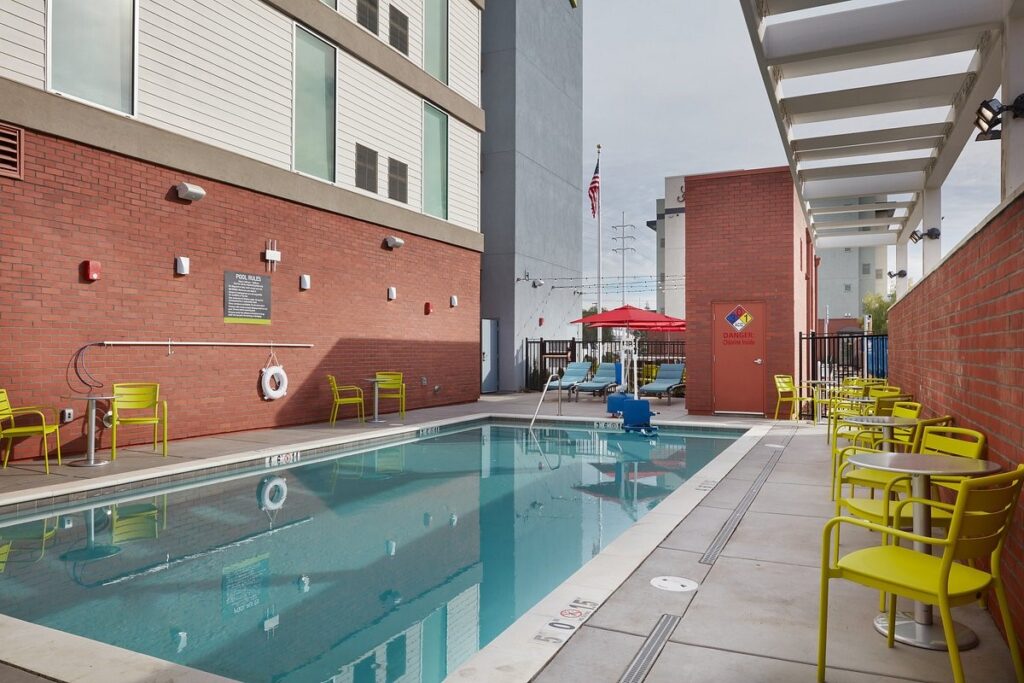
<point>898,273</point>
<point>392,293</point>
<point>930,233</point>
<point>393,242</point>
<point>454,301</point>
<point>305,282</point>
<point>182,265</point>
<point>990,115</point>
<point>189,192</point>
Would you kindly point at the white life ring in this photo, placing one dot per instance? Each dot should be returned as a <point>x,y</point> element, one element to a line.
<point>271,493</point>
<point>277,373</point>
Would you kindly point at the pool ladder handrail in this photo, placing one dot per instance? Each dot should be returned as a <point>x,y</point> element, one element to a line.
<point>544,455</point>
<point>554,376</point>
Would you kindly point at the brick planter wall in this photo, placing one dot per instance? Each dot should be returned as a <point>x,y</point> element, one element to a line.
<point>956,342</point>
<point>79,203</point>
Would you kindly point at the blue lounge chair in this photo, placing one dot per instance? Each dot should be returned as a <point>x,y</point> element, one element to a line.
<point>602,381</point>
<point>574,374</point>
<point>668,379</point>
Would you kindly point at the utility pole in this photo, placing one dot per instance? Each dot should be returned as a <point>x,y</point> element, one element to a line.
<point>622,249</point>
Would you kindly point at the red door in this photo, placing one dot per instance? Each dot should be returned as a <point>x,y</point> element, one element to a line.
<point>738,364</point>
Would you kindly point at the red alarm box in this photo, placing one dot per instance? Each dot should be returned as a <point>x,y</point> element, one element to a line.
<point>428,308</point>
<point>91,270</point>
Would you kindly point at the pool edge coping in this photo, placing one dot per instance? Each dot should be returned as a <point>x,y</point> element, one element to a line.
<point>627,551</point>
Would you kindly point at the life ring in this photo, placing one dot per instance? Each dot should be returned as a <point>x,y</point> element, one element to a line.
<point>280,377</point>
<point>271,493</point>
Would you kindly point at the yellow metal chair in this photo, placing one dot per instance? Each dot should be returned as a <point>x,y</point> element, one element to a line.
<point>135,396</point>
<point>789,393</point>
<point>339,400</point>
<point>967,443</point>
<point>979,521</point>
<point>390,460</point>
<point>390,385</point>
<point>136,522</point>
<point>30,535</point>
<point>12,432</point>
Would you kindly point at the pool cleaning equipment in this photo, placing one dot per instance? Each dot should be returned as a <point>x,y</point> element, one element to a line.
<point>615,402</point>
<point>636,416</point>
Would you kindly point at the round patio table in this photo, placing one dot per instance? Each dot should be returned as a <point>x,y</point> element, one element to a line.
<point>817,385</point>
<point>90,429</point>
<point>886,422</point>
<point>376,398</point>
<point>920,628</point>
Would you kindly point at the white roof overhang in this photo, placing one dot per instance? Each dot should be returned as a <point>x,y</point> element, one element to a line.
<point>851,169</point>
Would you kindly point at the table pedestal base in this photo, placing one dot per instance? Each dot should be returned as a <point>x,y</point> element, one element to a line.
<point>88,463</point>
<point>927,636</point>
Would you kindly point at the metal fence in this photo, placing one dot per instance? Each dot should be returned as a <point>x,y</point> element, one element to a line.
<point>834,357</point>
<point>545,357</point>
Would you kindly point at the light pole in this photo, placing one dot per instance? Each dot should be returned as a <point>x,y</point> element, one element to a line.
<point>622,249</point>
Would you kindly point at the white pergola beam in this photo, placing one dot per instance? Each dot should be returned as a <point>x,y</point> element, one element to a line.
<point>858,208</point>
<point>857,224</point>
<point>784,6</point>
<point>870,137</point>
<point>882,34</point>
<point>893,183</point>
<point>870,169</point>
<point>870,149</point>
<point>922,93</point>
<point>859,240</point>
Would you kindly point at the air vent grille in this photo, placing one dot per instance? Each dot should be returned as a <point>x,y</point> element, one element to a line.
<point>10,152</point>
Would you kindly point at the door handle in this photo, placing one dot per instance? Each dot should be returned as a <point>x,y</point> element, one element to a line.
<point>759,361</point>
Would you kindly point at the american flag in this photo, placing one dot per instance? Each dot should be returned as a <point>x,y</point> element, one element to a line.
<point>594,192</point>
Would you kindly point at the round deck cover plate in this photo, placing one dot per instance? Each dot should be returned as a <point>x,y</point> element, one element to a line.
<point>676,584</point>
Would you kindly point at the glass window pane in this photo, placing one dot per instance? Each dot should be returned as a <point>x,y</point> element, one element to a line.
<point>398,31</point>
<point>435,162</point>
<point>314,106</point>
<point>366,168</point>
<point>366,14</point>
<point>333,4</point>
<point>92,51</point>
<point>435,58</point>
<point>398,180</point>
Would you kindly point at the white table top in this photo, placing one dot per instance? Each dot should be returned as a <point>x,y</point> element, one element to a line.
<point>924,463</point>
<point>881,420</point>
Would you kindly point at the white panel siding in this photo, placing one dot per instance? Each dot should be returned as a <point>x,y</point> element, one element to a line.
<point>463,175</point>
<point>22,41</point>
<point>463,627</point>
<point>219,71</point>
<point>378,113</point>
<point>464,49</point>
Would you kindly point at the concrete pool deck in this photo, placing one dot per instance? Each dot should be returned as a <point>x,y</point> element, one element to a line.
<point>754,616</point>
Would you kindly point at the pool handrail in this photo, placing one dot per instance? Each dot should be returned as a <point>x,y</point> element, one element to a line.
<point>554,376</point>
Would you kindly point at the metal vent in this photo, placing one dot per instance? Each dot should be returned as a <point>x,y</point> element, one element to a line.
<point>10,152</point>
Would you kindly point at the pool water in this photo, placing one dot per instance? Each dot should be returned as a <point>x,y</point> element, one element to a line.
<point>389,565</point>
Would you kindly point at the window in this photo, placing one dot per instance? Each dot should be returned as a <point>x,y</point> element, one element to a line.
<point>661,243</point>
<point>435,162</point>
<point>11,165</point>
<point>398,180</point>
<point>366,168</point>
<point>435,29</point>
<point>315,89</point>
<point>366,14</point>
<point>865,269</point>
<point>398,30</point>
<point>92,51</point>
<point>333,4</point>
<point>847,288</point>
<point>847,250</point>
<point>878,273</point>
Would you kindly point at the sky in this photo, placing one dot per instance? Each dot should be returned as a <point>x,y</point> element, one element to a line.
<point>671,87</point>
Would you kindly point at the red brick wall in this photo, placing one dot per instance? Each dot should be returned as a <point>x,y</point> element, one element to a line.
<point>956,342</point>
<point>79,203</point>
<point>742,244</point>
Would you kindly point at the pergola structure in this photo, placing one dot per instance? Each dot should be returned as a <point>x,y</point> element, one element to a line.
<point>883,98</point>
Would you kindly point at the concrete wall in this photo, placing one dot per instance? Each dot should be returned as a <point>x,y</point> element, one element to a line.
<point>531,185</point>
<point>956,342</point>
<point>742,244</point>
<point>79,203</point>
<point>675,246</point>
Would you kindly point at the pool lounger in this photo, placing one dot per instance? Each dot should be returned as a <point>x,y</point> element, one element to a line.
<point>603,380</point>
<point>574,374</point>
<point>669,378</point>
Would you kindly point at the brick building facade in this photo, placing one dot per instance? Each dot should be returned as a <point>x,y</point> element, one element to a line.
<point>79,203</point>
<point>746,241</point>
<point>956,342</point>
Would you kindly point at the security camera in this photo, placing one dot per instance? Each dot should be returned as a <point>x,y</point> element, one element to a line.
<point>190,192</point>
<point>392,242</point>
<point>538,283</point>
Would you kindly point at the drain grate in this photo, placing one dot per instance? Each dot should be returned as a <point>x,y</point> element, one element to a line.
<point>725,533</point>
<point>643,661</point>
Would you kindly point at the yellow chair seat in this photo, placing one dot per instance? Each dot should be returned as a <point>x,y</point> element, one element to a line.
<point>138,420</point>
<point>913,574</point>
<point>29,430</point>
<point>871,510</point>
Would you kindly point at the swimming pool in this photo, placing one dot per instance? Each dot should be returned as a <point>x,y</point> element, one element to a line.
<point>395,563</point>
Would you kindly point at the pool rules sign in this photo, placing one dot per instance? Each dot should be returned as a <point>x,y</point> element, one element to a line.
<point>246,298</point>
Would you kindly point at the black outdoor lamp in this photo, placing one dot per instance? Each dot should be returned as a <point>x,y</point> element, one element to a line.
<point>989,117</point>
<point>898,273</point>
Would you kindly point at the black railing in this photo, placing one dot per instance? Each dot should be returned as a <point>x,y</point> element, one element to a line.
<point>834,357</point>
<point>545,357</point>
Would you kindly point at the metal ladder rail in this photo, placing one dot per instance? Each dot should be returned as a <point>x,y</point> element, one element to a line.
<point>544,393</point>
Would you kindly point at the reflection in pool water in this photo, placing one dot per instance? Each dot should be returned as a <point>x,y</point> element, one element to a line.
<point>394,564</point>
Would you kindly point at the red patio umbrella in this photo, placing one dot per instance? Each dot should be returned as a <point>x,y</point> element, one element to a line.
<point>633,318</point>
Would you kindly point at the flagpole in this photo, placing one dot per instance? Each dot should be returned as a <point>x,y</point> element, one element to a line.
<point>600,293</point>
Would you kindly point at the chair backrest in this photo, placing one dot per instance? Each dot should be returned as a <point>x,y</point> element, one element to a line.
<point>941,421</point>
<point>906,409</point>
<point>5,407</point>
<point>671,371</point>
<point>387,379</point>
<point>982,516</point>
<point>334,385</point>
<point>967,443</point>
<point>784,383</point>
<point>605,372</point>
<point>136,395</point>
<point>129,528</point>
<point>578,369</point>
<point>882,390</point>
